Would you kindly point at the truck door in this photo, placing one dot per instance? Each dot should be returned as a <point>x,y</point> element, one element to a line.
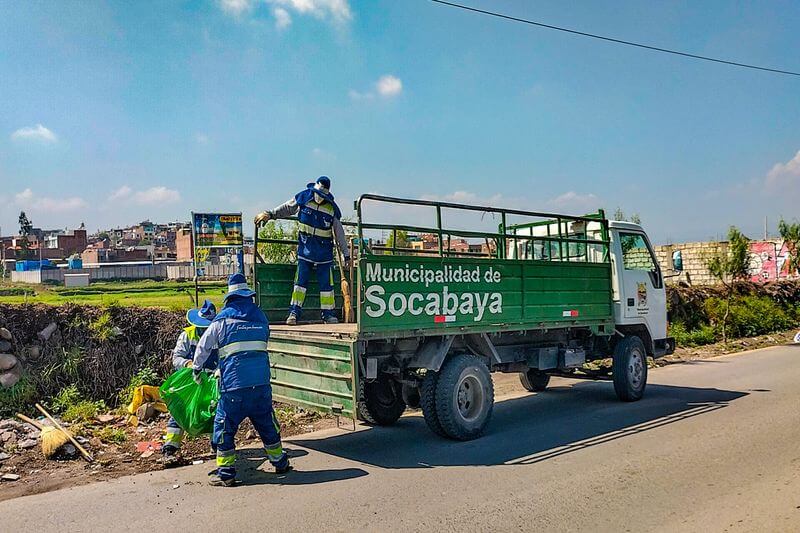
<point>642,285</point>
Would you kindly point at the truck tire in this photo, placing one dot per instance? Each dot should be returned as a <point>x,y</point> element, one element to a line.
<point>534,380</point>
<point>464,397</point>
<point>427,402</point>
<point>629,369</point>
<point>380,401</point>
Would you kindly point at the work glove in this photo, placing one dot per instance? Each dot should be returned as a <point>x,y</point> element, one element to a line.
<point>188,363</point>
<point>262,218</point>
<point>196,376</point>
<point>346,262</point>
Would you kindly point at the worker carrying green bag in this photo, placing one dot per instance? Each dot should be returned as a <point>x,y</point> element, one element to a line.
<point>192,405</point>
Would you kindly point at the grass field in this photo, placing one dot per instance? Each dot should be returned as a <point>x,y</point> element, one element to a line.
<point>164,294</point>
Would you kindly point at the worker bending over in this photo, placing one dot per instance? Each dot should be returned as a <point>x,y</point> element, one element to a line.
<point>320,220</point>
<point>239,333</point>
<point>182,357</point>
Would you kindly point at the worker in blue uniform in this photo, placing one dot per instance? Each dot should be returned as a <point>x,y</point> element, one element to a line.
<point>182,356</point>
<point>239,333</point>
<point>319,222</point>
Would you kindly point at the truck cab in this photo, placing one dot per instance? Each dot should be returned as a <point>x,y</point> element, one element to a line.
<point>639,294</point>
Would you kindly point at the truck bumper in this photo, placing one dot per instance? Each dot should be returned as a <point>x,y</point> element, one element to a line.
<point>662,347</point>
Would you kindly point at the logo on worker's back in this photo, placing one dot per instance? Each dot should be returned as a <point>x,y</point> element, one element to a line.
<point>641,292</point>
<point>444,303</point>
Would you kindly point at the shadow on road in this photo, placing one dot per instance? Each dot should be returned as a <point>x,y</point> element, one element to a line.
<point>529,429</point>
<point>256,470</point>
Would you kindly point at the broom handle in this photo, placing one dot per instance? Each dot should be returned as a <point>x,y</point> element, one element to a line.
<point>86,454</point>
<point>30,421</point>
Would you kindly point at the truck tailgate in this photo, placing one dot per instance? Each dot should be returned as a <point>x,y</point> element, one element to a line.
<point>313,367</point>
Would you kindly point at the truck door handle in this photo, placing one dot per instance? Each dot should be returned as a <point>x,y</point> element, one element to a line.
<point>630,302</point>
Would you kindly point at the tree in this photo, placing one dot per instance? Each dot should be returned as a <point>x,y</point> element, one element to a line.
<point>276,252</point>
<point>790,233</point>
<point>402,240</point>
<point>25,228</point>
<point>729,266</point>
<point>619,216</point>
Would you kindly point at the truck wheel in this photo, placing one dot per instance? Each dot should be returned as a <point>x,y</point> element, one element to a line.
<point>380,401</point>
<point>629,369</point>
<point>464,397</point>
<point>427,401</point>
<point>534,380</point>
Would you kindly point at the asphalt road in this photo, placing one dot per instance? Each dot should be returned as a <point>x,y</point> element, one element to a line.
<point>714,446</point>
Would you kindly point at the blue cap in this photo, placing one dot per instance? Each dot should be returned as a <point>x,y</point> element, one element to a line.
<point>325,181</point>
<point>202,317</point>
<point>237,286</point>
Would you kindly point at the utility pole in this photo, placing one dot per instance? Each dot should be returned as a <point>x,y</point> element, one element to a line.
<point>766,236</point>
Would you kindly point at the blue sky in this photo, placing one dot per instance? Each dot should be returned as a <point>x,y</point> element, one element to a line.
<point>112,112</point>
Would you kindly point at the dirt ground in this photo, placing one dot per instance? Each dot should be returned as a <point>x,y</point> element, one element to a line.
<point>38,474</point>
<point>735,345</point>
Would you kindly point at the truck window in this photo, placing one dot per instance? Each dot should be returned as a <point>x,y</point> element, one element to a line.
<point>635,253</point>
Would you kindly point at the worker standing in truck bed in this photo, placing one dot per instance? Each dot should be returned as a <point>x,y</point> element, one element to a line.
<point>320,221</point>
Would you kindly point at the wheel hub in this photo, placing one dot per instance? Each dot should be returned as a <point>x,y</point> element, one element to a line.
<point>636,368</point>
<point>469,397</point>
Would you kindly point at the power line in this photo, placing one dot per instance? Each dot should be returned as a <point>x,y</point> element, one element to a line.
<point>612,39</point>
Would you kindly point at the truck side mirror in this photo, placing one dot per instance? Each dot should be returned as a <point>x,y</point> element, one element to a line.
<point>677,261</point>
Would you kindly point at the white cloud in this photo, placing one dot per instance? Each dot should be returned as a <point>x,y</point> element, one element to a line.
<point>389,86</point>
<point>573,200</point>
<point>35,133</point>
<point>29,200</point>
<point>282,18</point>
<point>236,7</point>
<point>784,174</point>
<point>157,196</point>
<point>336,10</point>
<point>119,194</point>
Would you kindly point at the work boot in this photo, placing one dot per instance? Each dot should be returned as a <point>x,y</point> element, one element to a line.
<point>215,481</point>
<point>169,457</point>
<point>330,319</point>
<point>292,320</point>
<point>285,469</point>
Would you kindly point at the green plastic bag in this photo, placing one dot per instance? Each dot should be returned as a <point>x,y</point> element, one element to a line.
<point>193,406</point>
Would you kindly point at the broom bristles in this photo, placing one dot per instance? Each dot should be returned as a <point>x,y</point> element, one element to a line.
<point>52,441</point>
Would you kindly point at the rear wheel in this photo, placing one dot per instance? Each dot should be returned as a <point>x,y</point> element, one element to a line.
<point>380,401</point>
<point>629,369</point>
<point>534,380</point>
<point>464,397</point>
<point>427,402</point>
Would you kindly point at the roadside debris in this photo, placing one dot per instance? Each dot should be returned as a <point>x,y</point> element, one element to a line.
<point>9,477</point>
<point>10,364</point>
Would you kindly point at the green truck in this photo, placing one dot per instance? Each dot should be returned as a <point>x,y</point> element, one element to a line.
<point>536,294</point>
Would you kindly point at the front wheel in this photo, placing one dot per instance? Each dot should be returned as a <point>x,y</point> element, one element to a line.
<point>629,369</point>
<point>380,401</point>
<point>464,397</point>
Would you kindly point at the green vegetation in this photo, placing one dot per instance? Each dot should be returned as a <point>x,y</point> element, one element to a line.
<point>747,316</point>
<point>697,337</point>
<point>18,398</point>
<point>103,328</point>
<point>276,252</point>
<point>730,266</point>
<point>111,435</point>
<point>172,295</point>
<point>145,376</point>
<point>790,233</point>
<point>73,407</point>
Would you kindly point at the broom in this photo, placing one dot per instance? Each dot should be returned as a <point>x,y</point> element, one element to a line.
<point>52,438</point>
<point>347,308</point>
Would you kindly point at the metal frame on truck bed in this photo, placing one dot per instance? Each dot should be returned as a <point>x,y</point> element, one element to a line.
<point>543,296</point>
